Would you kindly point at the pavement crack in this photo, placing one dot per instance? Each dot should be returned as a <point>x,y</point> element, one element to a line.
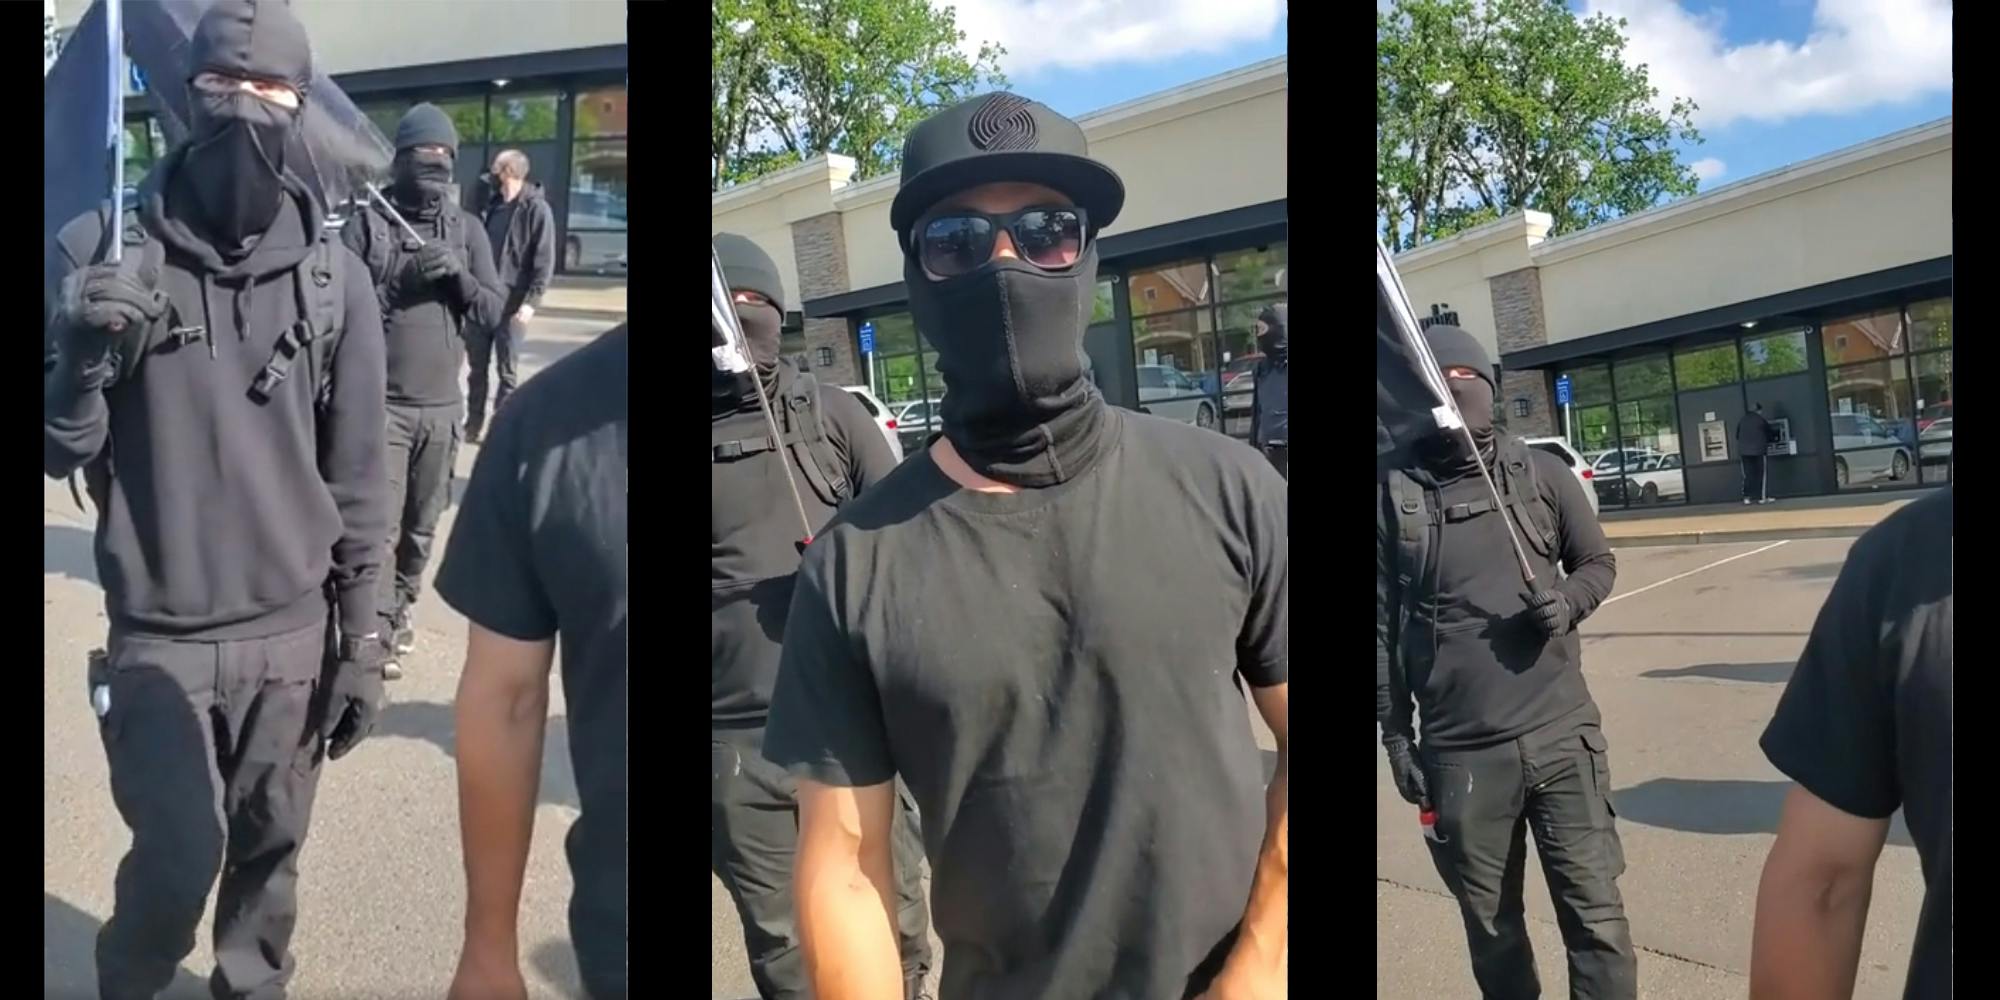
<point>1660,952</point>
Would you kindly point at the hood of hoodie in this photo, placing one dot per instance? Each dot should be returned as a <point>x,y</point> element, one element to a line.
<point>284,245</point>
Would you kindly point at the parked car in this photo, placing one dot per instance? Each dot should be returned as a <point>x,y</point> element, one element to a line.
<point>1934,444</point>
<point>1659,478</point>
<point>917,421</point>
<point>1867,450</point>
<point>1609,469</point>
<point>1170,393</point>
<point>1560,448</point>
<point>1239,382</point>
<point>594,239</point>
<point>880,414</point>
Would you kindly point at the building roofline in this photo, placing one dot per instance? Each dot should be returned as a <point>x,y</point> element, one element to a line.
<point>829,170</point>
<point>1526,225</point>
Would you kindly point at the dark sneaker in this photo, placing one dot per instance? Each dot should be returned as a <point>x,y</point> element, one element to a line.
<point>472,434</point>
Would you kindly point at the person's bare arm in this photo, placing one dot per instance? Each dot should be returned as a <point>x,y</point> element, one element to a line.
<point>502,714</point>
<point>844,882</point>
<point>1813,901</point>
<point>1256,965</point>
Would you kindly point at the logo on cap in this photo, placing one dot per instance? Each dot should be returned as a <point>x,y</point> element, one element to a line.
<point>1003,123</point>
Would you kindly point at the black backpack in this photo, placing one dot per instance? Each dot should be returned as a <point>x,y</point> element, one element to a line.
<point>314,339</point>
<point>1410,509</point>
<point>796,409</point>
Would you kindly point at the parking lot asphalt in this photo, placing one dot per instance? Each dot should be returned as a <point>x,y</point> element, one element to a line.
<point>1687,660</point>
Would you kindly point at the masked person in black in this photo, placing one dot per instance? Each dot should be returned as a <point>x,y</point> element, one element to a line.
<point>1510,734</point>
<point>222,391</point>
<point>1270,426</point>
<point>835,452</point>
<point>431,293</point>
<point>999,625</point>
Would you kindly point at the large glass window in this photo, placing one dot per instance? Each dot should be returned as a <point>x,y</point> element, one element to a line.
<point>1930,324</point>
<point>906,379</point>
<point>1863,338</point>
<point>1773,354</point>
<point>1703,367</point>
<point>1588,384</point>
<point>1874,431</point>
<point>595,235</point>
<point>1641,377</point>
<point>600,113</point>
<point>1651,452</point>
<point>1165,289</point>
<point>524,117</point>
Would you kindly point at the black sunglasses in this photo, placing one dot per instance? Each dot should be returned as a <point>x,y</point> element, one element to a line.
<point>960,240</point>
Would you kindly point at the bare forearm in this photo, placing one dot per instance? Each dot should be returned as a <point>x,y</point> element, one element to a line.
<point>846,930</point>
<point>1264,940</point>
<point>1807,940</point>
<point>499,768</point>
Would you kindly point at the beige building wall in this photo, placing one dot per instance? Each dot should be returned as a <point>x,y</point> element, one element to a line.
<point>1864,211</point>
<point>1454,275</point>
<point>764,211</point>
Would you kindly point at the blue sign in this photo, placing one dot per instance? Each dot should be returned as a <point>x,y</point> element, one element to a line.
<point>138,78</point>
<point>1562,390</point>
<point>867,338</point>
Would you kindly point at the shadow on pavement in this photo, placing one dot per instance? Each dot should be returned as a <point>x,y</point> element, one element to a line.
<point>69,947</point>
<point>432,723</point>
<point>1590,636</point>
<point>1815,571</point>
<point>67,551</point>
<point>1723,808</point>
<point>556,961</point>
<point>1755,673</point>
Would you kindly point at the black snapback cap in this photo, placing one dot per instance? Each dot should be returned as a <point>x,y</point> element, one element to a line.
<point>1002,137</point>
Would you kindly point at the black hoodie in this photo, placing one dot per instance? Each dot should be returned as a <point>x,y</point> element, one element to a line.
<point>523,232</point>
<point>224,518</point>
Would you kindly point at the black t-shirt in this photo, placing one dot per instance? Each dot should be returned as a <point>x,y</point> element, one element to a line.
<point>1865,724</point>
<point>538,552</point>
<point>1055,675</point>
<point>754,541</point>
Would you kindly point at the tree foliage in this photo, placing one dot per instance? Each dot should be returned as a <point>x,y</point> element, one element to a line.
<point>1486,108</point>
<point>792,79</point>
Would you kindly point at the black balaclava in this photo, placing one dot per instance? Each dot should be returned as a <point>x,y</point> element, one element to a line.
<point>747,267</point>
<point>422,179</point>
<point>1446,452</point>
<point>236,141</point>
<point>1019,406</point>
<point>1272,342</point>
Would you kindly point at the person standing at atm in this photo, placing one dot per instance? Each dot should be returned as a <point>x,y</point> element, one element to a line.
<point>1753,435</point>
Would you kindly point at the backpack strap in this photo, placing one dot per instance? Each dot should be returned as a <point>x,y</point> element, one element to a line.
<point>805,434</point>
<point>1413,518</point>
<point>315,335</point>
<point>1521,487</point>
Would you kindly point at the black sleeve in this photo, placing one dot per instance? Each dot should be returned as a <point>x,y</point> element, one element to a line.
<point>480,293</point>
<point>826,715</point>
<point>1586,554</point>
<point>1263,654</point>
<point>542,264</point>
<point>354,236</point>
<point>1256,409</point>
<point>353,459</point>
<point>489,573</point>
<point>76,421</point>
<point>1834,730</point>
<point>855,433</point>
<point>1392,703</point>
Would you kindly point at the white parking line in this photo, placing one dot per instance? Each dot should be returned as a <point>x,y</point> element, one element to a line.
<point>1689,573</point>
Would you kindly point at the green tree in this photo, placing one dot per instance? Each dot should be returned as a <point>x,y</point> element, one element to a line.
<point>832,76</point>
<point>1484,109</point>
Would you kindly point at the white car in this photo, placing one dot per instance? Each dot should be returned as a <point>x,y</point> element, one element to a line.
<point>1560,448</point>
<point>1867,450</point>
<point>916,420</point>
<point>880,414</point>
<point>1169,393</point>
<point>1658,478</point>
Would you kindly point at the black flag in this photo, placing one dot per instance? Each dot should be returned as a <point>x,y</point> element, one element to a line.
<point>76,163</point>
<point>1411,402</point>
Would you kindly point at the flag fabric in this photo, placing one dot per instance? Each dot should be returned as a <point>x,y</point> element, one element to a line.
<point>76,161</point>
<point>1411,401</point>
<point>728,348</point>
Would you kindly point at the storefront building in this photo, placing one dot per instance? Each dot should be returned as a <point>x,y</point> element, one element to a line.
<point>1821,291</point>
<point>544,77</point>
<point>1198,251</point>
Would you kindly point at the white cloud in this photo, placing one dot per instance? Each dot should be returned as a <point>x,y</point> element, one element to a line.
<point>1708,168</point>
<point>1077,34</point>
<point>1858,54</point>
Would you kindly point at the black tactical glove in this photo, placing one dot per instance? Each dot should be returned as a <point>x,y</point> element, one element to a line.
<point>354,697</point>
<point>105,299</point>
<point>1551,611</point>
<point>437,262</point>
<point>1407,773</point>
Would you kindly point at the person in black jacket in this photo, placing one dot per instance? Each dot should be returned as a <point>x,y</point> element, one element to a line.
<point>1753,435</point>
<point>523,234</point>
<point>836,452</point>
<point>1510,734</point>
<point>1270,404</point>
<point>222,391</point>
<point>432,293</point>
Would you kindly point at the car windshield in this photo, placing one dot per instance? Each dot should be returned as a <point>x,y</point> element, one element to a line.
<point>1152,377</point>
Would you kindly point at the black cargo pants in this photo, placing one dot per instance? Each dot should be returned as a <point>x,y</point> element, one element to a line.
<point>1555,782</point>
<point>499,348</point>
<point>423,445</point>
<point>214,754</point>
<point>753,836</point>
